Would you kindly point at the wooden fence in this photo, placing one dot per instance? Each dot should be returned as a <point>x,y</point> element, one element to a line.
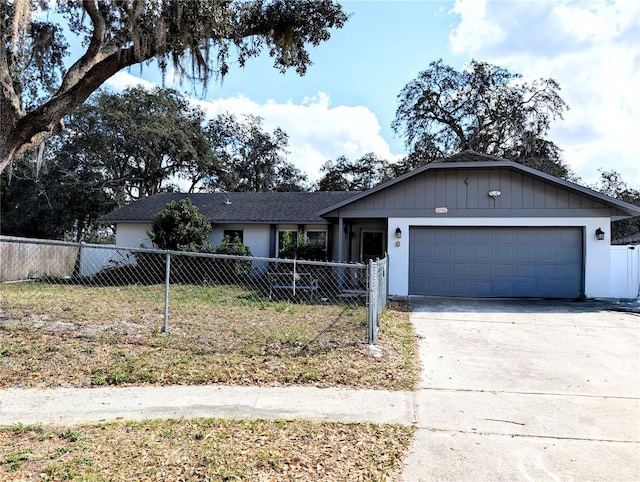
<point>25,258</point>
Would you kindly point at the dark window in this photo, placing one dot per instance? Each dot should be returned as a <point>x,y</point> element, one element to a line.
<point>318,239</point>
<point>234,234</point>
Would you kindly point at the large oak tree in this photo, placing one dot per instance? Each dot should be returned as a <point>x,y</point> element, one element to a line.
<point>484,108</point>
<point>343,174</point>
<point>197,37</point>
<point>248,158</point>
<point>142,140</point>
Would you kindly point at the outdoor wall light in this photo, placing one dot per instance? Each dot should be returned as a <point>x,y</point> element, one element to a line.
<point>599,234</point>
<point>494,194</point>
<point>398,232</point>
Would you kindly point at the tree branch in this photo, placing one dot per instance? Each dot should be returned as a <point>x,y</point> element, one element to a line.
<point>90,57</point>
<point>46,119</point>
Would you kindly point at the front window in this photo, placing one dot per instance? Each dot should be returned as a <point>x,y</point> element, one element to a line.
<point>234,235</point>
<point>318,239</point>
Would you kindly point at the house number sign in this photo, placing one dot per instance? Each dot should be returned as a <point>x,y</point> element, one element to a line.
<point>441,210</point>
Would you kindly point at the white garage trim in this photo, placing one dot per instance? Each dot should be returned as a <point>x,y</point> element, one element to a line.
<point>597,278</point>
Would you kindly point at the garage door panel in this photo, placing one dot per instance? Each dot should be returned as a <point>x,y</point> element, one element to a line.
<point>569,255</point>
<point>440,269</point>
<point>482,252</point>
<point>479,288</point>
<point>527,271</point>
<point>503,238</point>
<point>481,270</point>
<point>503,253</point>
<point>524,254</point>
<point>460,269</point>
<point>462,253</point>
<point>496,261</point>
<point>421,270</point>
<point>482,237</point>
<point>502,270</point>
<point>441,252</point>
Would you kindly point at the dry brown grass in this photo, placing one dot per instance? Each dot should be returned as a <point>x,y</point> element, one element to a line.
<point>53,335</point>
<point>205,449</point>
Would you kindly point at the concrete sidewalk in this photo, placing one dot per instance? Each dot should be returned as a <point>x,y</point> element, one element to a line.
<point>64,406</point>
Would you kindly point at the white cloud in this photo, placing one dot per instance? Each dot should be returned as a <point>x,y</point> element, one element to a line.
<point>124,80</point>
<point>474,25</point>
<point>592,49</point>
<point>317,131</point>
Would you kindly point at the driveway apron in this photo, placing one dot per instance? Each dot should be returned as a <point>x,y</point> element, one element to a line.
<point>526,390</point>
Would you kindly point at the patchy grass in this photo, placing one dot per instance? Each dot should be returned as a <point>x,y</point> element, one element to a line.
<point>204,449</point>
<point>52,335</point>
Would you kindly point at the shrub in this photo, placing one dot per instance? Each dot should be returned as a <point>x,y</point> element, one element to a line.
<point>180,226</point>
<point>300,248</point>
<point>228,270</point>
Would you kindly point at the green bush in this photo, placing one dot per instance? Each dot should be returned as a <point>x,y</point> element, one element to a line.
<point>229,270</point>
<point>180,226</point>
<point>300,248</point>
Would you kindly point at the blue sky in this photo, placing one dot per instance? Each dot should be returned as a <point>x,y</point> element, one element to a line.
<point>347,100</point>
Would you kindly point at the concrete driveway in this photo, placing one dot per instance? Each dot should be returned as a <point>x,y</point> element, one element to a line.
<point>526,390</point>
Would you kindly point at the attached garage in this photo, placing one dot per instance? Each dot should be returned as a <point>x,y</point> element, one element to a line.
<point>531,262</point>
<point>474,225</point>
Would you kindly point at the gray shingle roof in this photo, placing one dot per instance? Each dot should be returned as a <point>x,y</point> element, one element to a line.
<point>242,207</point>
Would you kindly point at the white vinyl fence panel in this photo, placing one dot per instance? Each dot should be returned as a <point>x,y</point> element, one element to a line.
<point>625,272</point>
<point>94,259</point>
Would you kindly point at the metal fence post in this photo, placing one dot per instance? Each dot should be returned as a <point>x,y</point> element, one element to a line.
<point>370,303</point>
<point>165,328</point>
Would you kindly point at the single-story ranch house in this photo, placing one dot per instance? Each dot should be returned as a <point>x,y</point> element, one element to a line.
<point>469,225</point>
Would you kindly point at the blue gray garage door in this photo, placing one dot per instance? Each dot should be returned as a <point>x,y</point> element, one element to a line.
<point>530,262</point>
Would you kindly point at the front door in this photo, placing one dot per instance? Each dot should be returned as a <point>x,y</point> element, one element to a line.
<point>372,245</point>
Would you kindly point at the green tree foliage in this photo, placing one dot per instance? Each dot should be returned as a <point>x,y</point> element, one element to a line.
<point>116,148</point>
<point>484,108</point>
<point>227,270</point>
<point>612,184</point>
<point>229,246</point>
<point>250,158</point>
<point>343,174</point>
<point>60,199</point>
<point>180,226</point>
<point>197,38</point>
<point>142,140</point>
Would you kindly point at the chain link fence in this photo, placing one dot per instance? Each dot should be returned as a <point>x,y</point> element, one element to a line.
<point>223,302</point>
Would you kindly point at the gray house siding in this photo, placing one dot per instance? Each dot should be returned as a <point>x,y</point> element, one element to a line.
<point>464,192</point>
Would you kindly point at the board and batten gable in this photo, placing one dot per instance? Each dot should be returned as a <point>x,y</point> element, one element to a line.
<point>465,192</point>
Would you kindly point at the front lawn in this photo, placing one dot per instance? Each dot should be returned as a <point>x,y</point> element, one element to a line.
<point>70,335</point>
<point>204,449</point>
